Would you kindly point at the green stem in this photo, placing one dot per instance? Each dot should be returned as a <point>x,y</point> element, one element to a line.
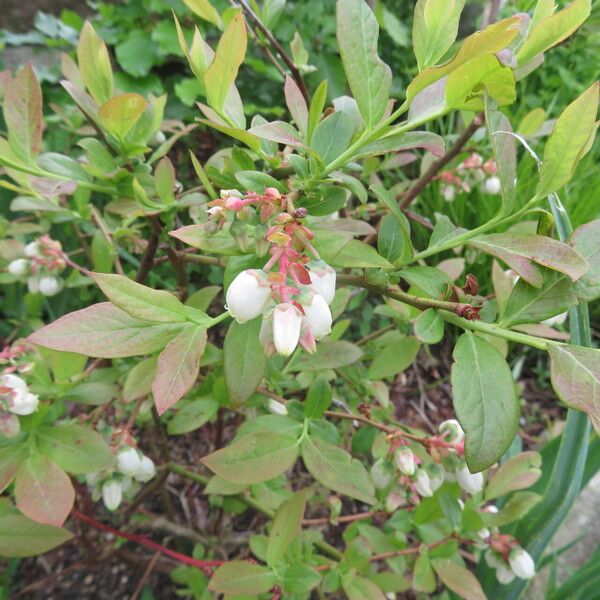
<point>219,319</point>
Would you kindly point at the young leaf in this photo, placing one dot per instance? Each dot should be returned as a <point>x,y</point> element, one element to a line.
<point>279,132</point>
<point>43,491</point>
<point>254,458</point>
<point>300,578</point>
<point>296,104</point>
<point>485,400</point>
<point>94,64</point>
<point>121,113</point>
<point>21,537</point>
<point>360,588</point>
<point>244,362</point>
<point>286,527</point>
<point>164,181</point>
<point>240,578</point>
<point>435,27</point>
<point>571,138</point>
<point>332,136</point>
<point>517,473</point>
<point>369,77</point>
<point>337,470</point>
<point>138,381</point>
<point>205,10</point>
<point>459,579</point>
<point>11,459</point>
<point>221,74</point>
<point>429,327</point>
<point>178,366</point>
<point>74,448</point>
<point>316,108</point>
<point>407,140</point>
<point>586,240</point>
<point>575,376</point>
<point>318,398</point>
<point>104,331</point>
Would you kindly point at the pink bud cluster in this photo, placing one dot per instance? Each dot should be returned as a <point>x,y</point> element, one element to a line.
<point>472,170</point>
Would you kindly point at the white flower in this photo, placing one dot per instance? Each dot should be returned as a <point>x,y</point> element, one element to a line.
<point>146,471</point>
<point>491,508</point>
<point>49,285</point>
<point>492,185</point>
<point>318,316</point>
<point>287,321</point>
<point>448,193</point>
<point>33,249</point>
<point>423,484</point>
<point>18,267</point>
<point>455,431</point>
<point>493,560</point>
<point>551,322</point>
<point>20,401</point>
<point>112,494</point>
<point>405,461</point>
<point>322,278</point>
<point>393,501</point>
<point>521,563</point>
<point>248,295</point>
<point>277,408</point>
<point>504,575</point>
<point>129,461</point>
<point>437,476</point>
<point>380,475</point>
<point>33,284</point>
<point>470,482</point>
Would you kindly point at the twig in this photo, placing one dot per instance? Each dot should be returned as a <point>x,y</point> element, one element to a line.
<point>279,49</point>
<point>148,257</point>
<point>439,164</point>
<point>144,578</point>
<point>348,518</point>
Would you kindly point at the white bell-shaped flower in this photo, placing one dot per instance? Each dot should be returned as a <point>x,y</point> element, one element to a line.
<point>18,267</point>
<point>248,295</point>
<point>472,483</point>
<point>33,249</point>
<point>504,575</point>
<point>49,285</point>
<point>405,461</point>
<point>492,185</point>
<point>276,408</point>
<point>129,461</point>
<point>453,431</point>
<point>146,471</point>
<point>112,494</point>
<point>318,316</point>
<point>448,193</point>
<point>423,484</point>
<point>19,400</point>
<point>322,278</point>
<point>287,322</point>
<point>521,563</point>
<point>380,474</point>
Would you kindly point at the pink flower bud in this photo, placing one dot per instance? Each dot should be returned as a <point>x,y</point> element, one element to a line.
<point>248,295</point>
<point>322,277</point>
<point>287,321</point>
<point>394,501</point>
<point>318,316</point>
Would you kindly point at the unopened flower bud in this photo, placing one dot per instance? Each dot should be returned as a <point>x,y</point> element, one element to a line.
<point>49,286</point>
<point>521,563</point>
<point>128,461</point>
<point>493,559</point>
<point>157,139</point>
<point>277,408</point>
<point>272,193</point>
<point>437,476</point>
<point>452,431</point>
<point>322,278</point>
<point>472,483</point>
<point>318,316</point>
<point>146,470</point>
<point>423,484</point>
<point>381,475</point>
<point>393,501</point>
<point>448,193</point>
<point>33,249</point>
<point>405,461</point>
<point>18,267</point>
<point>492,185</point>
<point>112,494</point>
<point>248,295</point>
<point>504,575</point>
<point>287,322</point>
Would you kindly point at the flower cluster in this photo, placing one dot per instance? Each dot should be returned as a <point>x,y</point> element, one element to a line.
<point>293,290</point>
<point>41,266</point>
<point>15,398</point>
<point>132,467</point>
<point>472,171</point>
<point>509,559</point>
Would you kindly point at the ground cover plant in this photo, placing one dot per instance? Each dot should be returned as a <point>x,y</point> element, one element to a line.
<point>213,343</point>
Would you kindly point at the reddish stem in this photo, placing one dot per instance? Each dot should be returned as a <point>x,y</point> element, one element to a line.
<point>204,565</point>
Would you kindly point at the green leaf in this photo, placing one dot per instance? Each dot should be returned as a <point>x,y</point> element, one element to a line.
<point>203,298</point>
<point>399,142</point>
<point>22,110</point>
<point>519,472</point>
<point>318,398</point>
<point>139,301</point>
<point>369,77</point>
<point>220,242</point>
<point>279,132</point>
<point>286,527</point>
<point>517,507</point>
<point>340,250</point>
<point>192,416</point>
<point>178,366</point>
<point>337,470</point>
<point>329,355</point>
<point>435,27</point>
<point>104,331</point>
<point>429,280</point>
<point>520,250</point>
<point>393,358</point>
<point>528,304</point>
<point>392,242</point>
<point>136,54</point>
<point>43,491</point>
<point>485,400</point>
<point>121,113</point>
<point>205,10</point>
<point>239,577</point>
<point>586,240</point>
<point>300,579</point>
<point>575,376</point>
<point>21,537</point>
<point>332,136</point>
<point>459,579</point>
<point>571,138</point>
<point>360,588</point>
<point>11,459</point>
<point>94,64</point>
<point>423,576</point>
<point>552,30</point>
<point>221,74</point>
<point>316,108</point>
<point>164,181</point>
<point>222,487</point>
<point>138,381</point>
<point>254,458</point>
<point>74,448</point>
<point>429,327</point>
<point>256,181</point>
<point>244,362</point>
<point>103,254</point>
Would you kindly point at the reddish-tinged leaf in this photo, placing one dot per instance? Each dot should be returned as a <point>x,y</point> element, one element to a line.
<point>10,461</point>
<point>586,240</point>
<point>459,579</point>
<point>517,473</point>
<point>43,491</point>
<point>279,132</point>
<point>178,366</point>
<point>241,578</point>
<point>296,104</point>
<point>104,331</point>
